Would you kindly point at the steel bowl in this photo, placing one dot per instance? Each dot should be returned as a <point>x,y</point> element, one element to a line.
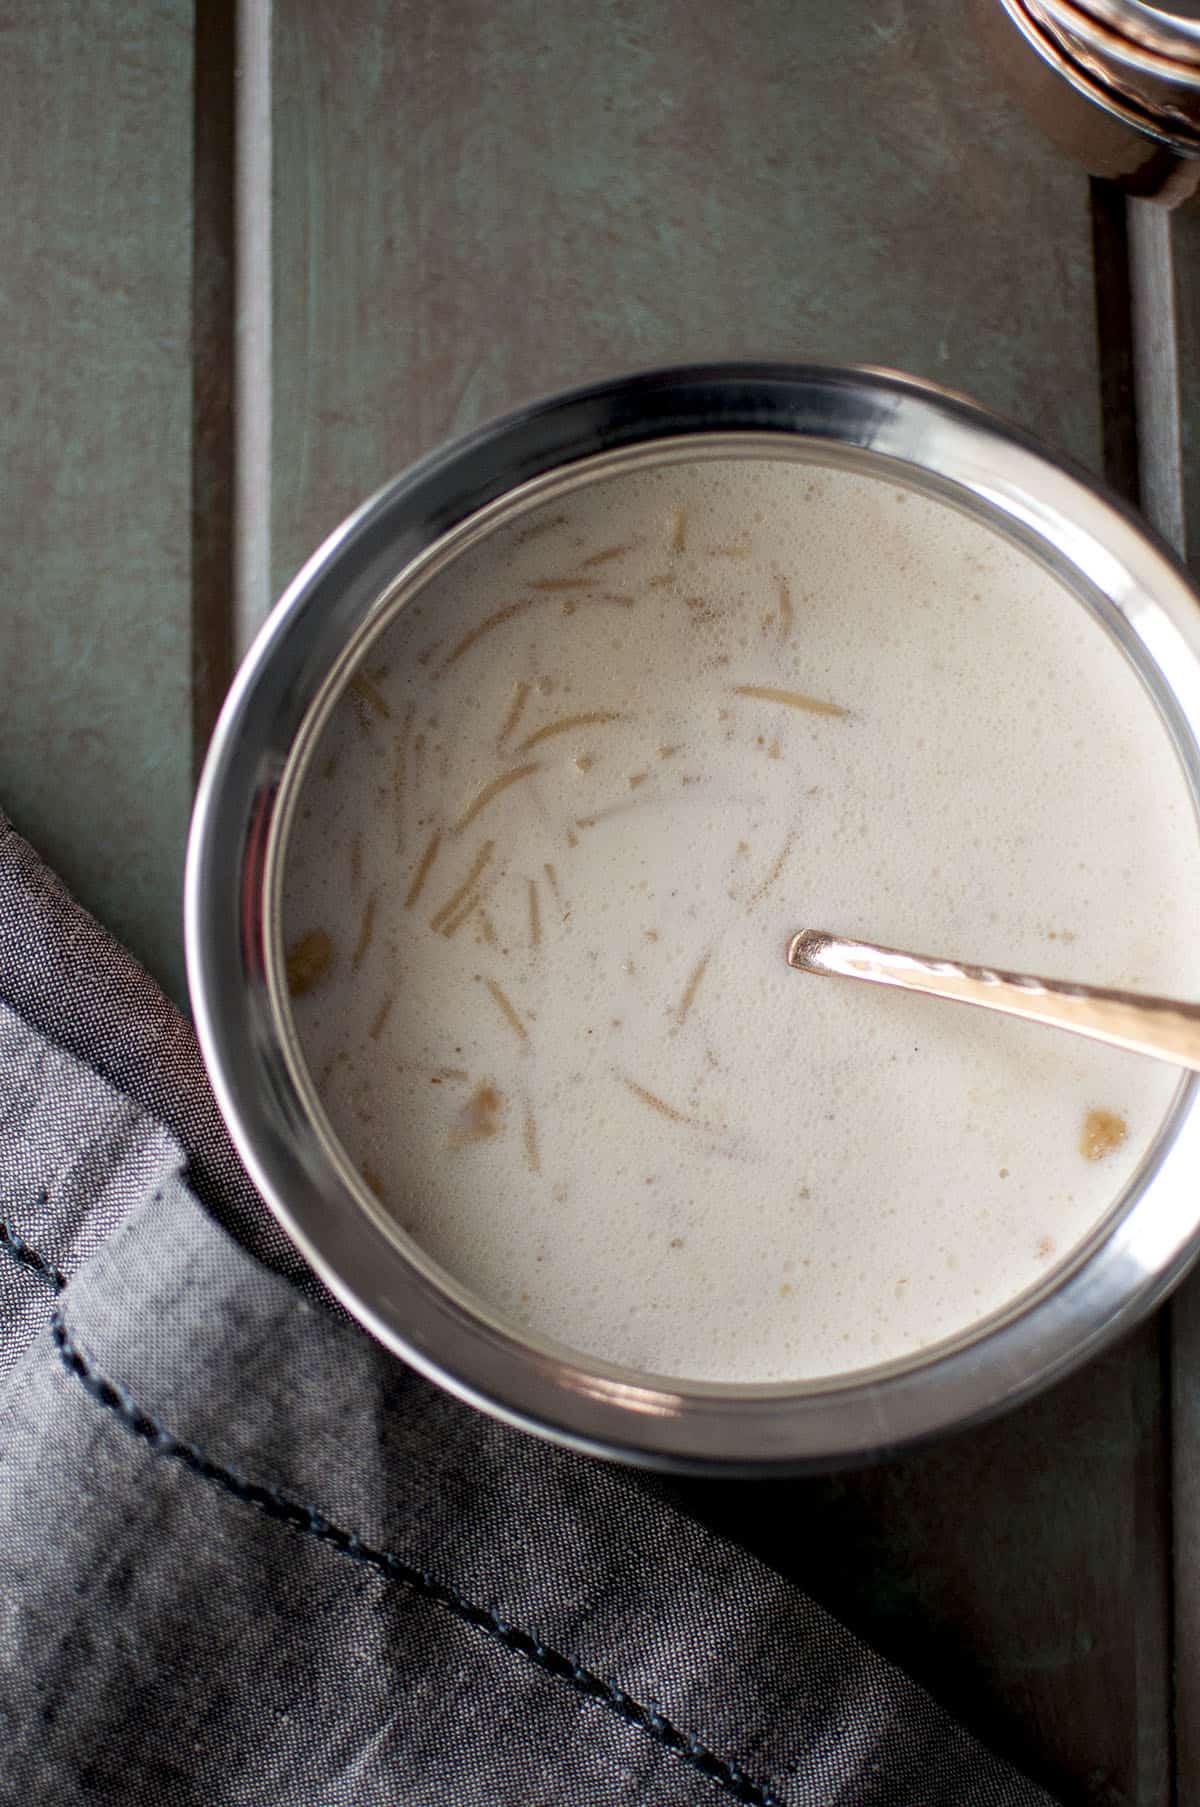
<point>1137,64</point>
<point>871,421</point>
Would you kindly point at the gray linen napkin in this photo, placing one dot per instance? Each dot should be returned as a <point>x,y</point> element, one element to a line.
<point>250,1558</point>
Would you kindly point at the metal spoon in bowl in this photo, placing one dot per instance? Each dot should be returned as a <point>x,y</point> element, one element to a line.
<point>1162,1027</point>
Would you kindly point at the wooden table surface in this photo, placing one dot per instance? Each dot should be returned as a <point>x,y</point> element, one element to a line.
<point>234,307</point>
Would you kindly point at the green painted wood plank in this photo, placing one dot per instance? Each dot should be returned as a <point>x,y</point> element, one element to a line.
<point>95,637</point>
<point>1185,1476</point>
<point>476,203</point>
<point>1174,296</point>
<point>1165,269</point>
<point>479,202</point>
<point>1185,237</point>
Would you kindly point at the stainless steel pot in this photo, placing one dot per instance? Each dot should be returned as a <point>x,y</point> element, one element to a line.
<point>1115,83</point>
<point>869,421</point>
<point>1142,63</point>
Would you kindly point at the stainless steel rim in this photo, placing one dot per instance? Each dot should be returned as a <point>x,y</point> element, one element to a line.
<point>909,431</point>
<point>1173,36</point>
<point>1155,95</point>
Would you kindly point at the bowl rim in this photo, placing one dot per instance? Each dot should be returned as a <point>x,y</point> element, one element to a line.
<point>1083,56</point>
<point>904,430</point>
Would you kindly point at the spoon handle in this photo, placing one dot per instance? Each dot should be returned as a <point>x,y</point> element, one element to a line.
<point>1162,1027</point>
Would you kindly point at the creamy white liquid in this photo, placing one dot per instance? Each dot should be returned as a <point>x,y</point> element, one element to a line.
<point>602,1100</point>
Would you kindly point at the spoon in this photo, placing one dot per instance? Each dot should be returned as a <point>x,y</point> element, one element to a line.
<point>1162,1027</point>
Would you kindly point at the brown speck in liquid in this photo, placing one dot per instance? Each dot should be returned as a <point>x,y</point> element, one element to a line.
<point>679,531</point>
<point>572,838</point>
<point>330,766</point>
<point>1102,1133</point>
<point>760,891</point>
<point>636,778</point>
<point>515,711</point>
<point>365,932</point>
<point>786,1290</point>
<point>307,961</point>
<point>423,868</point>
<point>362,687</point>
<point>662,579</point>
<point>487,626</point>
<point>381,1017</point>
<point>791,699</point>
<point>464,914</point>
<point>773,751</point>
<point>401,773</point>
<point>1045,1248</point>
<point>691,988</point>
<point>479,1118</point>
<point>535,915</point>
<point>539,528</point>
<point>605,555</point>
<point>490,792</point>
<point>552,881</point>
<point>452,903</point>
<point>488,929</point>
<point>667,752</point>
<point>505,1006</point>
<point>677,1242</point>
<point>584,762</point>
<point>785,607</point>
<point>592,719</point>
<point>532,1157</point>
<point>655,1103</point>
<point>1004,1173</point>
<point>372,1179</point>
<point>552,584</point>
<point>649,934</point>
